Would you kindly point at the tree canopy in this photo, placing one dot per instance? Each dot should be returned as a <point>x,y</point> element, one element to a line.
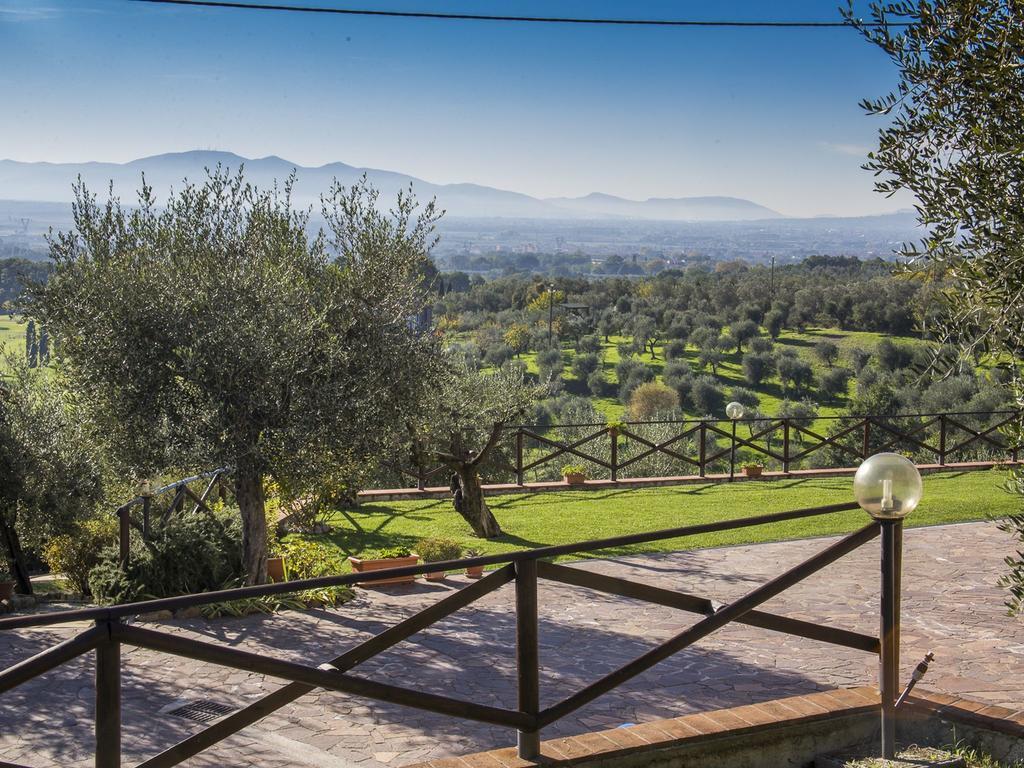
<point>216,329</point>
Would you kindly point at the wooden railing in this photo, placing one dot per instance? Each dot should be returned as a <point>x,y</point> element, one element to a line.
<point>112,629</point>
<point>702,446</point>
<point>150,514</point>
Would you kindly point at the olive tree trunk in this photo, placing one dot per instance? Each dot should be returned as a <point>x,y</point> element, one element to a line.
<point>15,557</point>
<point>468,500</point>
<point>249,493</point>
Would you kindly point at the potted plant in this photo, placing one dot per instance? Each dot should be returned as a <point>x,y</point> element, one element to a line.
<point>6,584</point>
<point>275,564</point>
<point>574,474</point>
<point>753,469</point>
<point>436,551</point>
<point>474,571</point>
<point>393,557</point>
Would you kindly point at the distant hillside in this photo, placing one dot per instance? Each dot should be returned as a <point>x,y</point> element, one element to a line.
<point>51,182</point>
<point>598,205</point>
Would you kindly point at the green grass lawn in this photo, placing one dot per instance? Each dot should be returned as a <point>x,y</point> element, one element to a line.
<point>533,520</point>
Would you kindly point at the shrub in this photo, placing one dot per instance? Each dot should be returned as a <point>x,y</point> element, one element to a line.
<point>761,344</point>
<point>590,343</point>
<point>391,553</point>
<point>75,554</point>
<point>194,553</point>
<point>305,559</point>
<point>436,550</point>
<point>652,398</point>
<point>574,469</point>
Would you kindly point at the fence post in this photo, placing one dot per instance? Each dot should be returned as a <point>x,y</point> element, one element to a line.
<point>703,447</point>
<point>614,433</point>
<point>147,502</point>
<point>108,702</point>
<point>527,660</point>
<point>866,445</point>
<point>942,440</point>
<point>785,445</point>
<point>888,674</point>
<point>519,456</point>
<point>123,535</point>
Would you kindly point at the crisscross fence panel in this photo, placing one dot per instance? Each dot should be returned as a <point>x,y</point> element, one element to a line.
<point>149,511</point>
<point>701,447</point>
<point>113,629</point>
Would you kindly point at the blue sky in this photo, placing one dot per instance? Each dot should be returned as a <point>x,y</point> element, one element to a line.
<point>550,110</point>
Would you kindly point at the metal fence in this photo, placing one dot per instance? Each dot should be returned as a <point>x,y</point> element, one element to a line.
<point>699,447</point>
<point>112,630</point>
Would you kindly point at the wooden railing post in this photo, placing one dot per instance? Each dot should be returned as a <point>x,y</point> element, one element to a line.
<point>123,536</point>
<point>785,445</point>
<point>108,701</point>
<point>942,440</point>
<point>519,456</point>
<point>889,631</point>
<point>527,657</point>
<point>421,481</point>
<point>703,448</point>
<point>866,444</point>
<point>614,433</point>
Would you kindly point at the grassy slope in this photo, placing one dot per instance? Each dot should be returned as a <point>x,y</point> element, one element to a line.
<point>730,373</point>
<point>12,334</point>
<point>534,520</point>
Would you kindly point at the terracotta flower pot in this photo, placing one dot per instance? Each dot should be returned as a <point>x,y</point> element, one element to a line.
<point>6,590</point>
<point>575,479</point>
<point>275,568</point>
<point>435,576</point>
<point>360,565</point>
<point>753,471</point>
<point>475,571</point>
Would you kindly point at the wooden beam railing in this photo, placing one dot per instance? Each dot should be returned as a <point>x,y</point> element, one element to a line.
<point>524,568</point>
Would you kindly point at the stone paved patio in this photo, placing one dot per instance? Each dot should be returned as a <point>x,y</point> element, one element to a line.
<point>951,607</point>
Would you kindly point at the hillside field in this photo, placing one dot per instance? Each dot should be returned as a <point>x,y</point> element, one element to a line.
<point>730,372</point>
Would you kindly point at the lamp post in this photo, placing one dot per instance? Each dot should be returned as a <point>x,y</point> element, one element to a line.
<point>888,487</point>
<point>734,411</point>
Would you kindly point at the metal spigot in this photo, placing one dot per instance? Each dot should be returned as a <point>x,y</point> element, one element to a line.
<point>917,674</point>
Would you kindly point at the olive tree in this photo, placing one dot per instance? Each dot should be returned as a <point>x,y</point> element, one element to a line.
<point>953,136</point>
<point>49,474</point>
<point>218,329</point>
<point>467,414</point>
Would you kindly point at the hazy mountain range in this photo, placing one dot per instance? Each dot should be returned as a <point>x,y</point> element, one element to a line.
<point>51,182</point>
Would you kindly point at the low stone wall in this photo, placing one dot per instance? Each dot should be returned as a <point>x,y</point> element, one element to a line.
<point>784,732</point>
<point>938,719</point>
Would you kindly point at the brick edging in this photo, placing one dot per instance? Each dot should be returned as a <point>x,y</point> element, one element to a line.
<point>969,712</point>
<point>673,732</point>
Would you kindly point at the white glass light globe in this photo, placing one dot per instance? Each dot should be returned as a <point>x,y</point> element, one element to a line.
<point>734,410</point>
<point>887,486</point>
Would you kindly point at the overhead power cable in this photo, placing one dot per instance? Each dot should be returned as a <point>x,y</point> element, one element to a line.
<point>244,6</point>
